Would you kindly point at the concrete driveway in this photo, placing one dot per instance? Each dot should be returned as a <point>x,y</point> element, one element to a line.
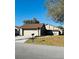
<point>30,51</point>
<point>21,39</point>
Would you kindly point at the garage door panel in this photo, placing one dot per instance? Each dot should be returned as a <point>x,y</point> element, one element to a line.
<point>29,32</point>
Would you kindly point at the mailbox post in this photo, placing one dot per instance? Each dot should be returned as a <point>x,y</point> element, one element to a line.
<point>32,37</point>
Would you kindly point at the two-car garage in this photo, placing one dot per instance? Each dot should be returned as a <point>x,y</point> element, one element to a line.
<point>28,30</point>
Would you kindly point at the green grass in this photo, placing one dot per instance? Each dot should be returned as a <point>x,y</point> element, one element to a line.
<point>48,40</point>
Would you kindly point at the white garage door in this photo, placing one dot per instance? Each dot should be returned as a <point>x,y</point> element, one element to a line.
<point>30,32</point>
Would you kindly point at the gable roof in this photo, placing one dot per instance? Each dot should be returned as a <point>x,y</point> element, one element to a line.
<point>17,26</point>
<point>29,26</point>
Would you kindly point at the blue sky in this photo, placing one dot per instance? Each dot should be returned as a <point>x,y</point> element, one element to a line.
<point>27,9</point>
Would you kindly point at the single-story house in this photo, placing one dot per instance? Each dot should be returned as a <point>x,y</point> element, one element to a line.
<point>29,29</point>
<point>53,30</point>
<point>17,30</point>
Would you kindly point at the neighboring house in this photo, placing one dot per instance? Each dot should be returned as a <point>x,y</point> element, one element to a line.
<point>29,29</point>
<point>17,30</point>
<point>53,30</point>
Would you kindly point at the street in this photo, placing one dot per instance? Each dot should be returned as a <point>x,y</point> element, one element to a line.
<point>31,51</point>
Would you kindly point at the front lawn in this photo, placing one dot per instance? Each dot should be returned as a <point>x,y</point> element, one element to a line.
<point>48,40</point>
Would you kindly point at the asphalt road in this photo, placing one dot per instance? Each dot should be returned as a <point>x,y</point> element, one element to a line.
<point>30,51</point>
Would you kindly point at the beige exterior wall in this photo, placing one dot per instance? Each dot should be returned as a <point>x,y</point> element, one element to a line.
<point>30,32</point>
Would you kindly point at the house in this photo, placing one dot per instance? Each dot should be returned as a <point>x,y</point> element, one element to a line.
<point>37,30</point>
<point>53,30</point>
<point>17,30</point>
<point>29,29</point>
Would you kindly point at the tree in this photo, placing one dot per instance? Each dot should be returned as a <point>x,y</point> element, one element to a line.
<point>56,9</point>
<point>33,21</point>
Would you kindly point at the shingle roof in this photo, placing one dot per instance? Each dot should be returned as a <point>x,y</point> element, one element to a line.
<point>29,26</point>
